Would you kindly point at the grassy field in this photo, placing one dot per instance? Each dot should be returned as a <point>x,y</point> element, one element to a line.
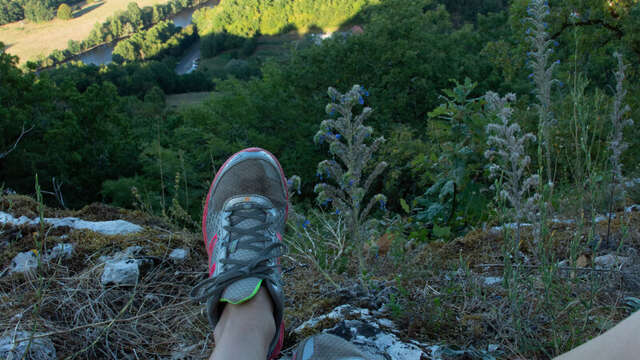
<point>267,47</point>
<point>187,99</point>
<point>27,40</point>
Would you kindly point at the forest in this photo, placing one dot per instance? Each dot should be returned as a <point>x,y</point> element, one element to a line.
<point>405,78</point>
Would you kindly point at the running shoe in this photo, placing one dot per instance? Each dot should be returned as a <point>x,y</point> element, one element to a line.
<point>242,226</point>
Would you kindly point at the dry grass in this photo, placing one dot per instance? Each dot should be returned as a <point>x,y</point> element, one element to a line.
<point>440,296</point>
<point>28,40</point>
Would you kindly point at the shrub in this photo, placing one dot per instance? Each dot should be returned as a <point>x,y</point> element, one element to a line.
<point>64,12</point>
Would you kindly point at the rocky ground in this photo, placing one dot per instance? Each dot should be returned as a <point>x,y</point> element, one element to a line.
<point>104,282</point>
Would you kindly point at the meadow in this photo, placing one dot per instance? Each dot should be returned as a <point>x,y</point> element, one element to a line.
<point>28,40</point>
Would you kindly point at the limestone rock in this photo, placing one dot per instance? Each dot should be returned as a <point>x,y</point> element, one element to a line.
<point>62,251</point>
<point>40,349</point>
<point>179,255</point>
<point>608,261</point>
<point>24,262</point>
<point>373,334</point>
<point>121,272</point>
<point>112,227</point>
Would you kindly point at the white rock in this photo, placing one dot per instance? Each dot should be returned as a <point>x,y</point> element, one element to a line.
<point>563,221</point>
<point>336,314</point>
<point>510,226</point>
<point>24,262</point>
<point>64,251</point>
<point>179,255</point>
<point>374,343</point>
<point>40,349</point>
<point>131,251</point>
<point>608,261</point>
<point>632,208</point>
<point>491,280</point>
<point>121,272</point>
<point>601,218</point>
<point>113,227</point>
<point>375,336</point>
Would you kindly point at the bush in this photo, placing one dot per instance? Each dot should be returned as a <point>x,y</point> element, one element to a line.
<point>249,46</point>
<point>39,10</point>
<point>64,12</point>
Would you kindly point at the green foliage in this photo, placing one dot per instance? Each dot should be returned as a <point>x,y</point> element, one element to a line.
<point>454,199</point>
<point>126,23</point>
<point>39,10</point>
<point>10,11</point>
<point>247,17</point>
<point>163,38</point>
<point>64,12</point>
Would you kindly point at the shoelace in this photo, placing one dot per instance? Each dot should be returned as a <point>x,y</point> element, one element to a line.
<point>249,239</point>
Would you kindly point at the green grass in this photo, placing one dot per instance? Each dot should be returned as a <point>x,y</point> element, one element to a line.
<point>268,47</point>
<point>187,99</point>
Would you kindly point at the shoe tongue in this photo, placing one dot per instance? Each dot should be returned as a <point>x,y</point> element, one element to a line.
<point>241,290</point>
<point>244,289</point>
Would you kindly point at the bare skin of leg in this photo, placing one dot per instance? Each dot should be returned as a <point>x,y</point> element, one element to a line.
<point>245,331</point>
<point>620,342</point>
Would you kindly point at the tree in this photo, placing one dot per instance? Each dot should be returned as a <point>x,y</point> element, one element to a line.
<point>64,12</point>
<point>10,11</point>
<point>39,10</point>
<point>135,15</point>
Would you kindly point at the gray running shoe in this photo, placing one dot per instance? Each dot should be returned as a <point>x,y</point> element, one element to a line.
<point>242,225</point>
<point>326,347</point>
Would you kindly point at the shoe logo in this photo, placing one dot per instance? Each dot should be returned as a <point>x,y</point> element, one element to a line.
<point>212,244</point>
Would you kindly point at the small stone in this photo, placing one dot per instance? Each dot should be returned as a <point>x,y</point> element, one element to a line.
<point>179,255</point>
<point>40,348</point>
<point>491,280</point>
<point>133,251</point>
<point>24,262</point>
<point>608,261</point>
<point>121,272</point>
<point>64,251</point>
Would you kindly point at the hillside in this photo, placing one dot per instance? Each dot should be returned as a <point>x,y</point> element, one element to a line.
<point>437,298</point>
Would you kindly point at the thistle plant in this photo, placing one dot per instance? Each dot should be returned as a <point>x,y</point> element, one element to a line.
<point>509,161</point>
<point>347,137</point>
<point>617,145</point>
<point>542,74</point>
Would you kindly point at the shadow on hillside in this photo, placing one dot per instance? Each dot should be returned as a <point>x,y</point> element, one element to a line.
<point>83,11</point>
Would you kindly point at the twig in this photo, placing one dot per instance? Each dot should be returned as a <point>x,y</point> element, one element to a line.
<point>15,144</point>
<point>101,323</point>
<point>566,268</point>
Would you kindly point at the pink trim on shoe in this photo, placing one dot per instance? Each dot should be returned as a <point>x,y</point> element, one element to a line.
<point>278,347</point>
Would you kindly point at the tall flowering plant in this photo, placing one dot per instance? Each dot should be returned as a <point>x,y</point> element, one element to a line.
<point>345,185</point>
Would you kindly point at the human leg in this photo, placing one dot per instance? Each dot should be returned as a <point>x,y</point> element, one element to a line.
<point>252,320</point>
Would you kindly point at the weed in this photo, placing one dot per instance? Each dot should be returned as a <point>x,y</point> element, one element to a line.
<point>542,76</point>
<point>617,145</point>
<point>509,161</point>
<point>346,136</point>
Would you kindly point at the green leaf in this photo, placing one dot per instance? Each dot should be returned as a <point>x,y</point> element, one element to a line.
<point>441,232</point>
<point>405,206</point>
